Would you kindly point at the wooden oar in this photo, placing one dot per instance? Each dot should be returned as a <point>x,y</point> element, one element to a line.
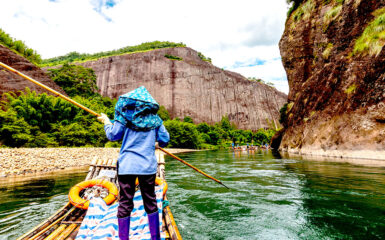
<point>48,89</point>
<point>96,114</point>
<point>191,166</point>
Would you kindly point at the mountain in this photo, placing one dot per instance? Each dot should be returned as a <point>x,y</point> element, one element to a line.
<point>12,82</point>
<point>334,58</point>
<point>186,85</point>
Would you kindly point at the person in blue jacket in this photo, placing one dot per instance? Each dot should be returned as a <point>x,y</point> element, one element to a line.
<point>139,127</point>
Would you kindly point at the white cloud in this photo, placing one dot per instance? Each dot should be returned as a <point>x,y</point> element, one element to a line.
<point>227,31</point>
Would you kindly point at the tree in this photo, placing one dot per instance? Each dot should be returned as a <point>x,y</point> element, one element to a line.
<point>32,120</point>
<point>75,80</point>
<point>163,113</point>
<point>182,134</point>
<point>188,119</point>
<point>14,131</point>
<point>225,123</point>
<point>214,137</point>
<point>203,127</point>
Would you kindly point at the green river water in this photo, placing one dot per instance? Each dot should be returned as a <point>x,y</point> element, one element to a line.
<point>270,198</point>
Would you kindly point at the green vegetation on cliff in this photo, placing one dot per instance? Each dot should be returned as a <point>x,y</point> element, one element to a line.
<point>372,39</point>
<point>172,57</point>
<point>75,56</point>
<point>19,47</point>
<point>295,5</point>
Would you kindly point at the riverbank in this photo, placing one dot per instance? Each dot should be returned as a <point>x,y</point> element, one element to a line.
<point>36,161</point>
<point>343,154</point>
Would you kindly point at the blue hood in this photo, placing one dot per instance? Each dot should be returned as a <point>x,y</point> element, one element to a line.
<point>138,110</point>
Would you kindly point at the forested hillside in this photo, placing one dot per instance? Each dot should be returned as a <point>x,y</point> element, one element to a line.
<point>39,120</point>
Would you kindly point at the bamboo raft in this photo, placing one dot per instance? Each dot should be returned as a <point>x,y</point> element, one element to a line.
<point>239,149</point>
<point>65,223</point>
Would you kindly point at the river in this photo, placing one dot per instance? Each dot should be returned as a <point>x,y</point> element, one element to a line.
<point>270,197</point>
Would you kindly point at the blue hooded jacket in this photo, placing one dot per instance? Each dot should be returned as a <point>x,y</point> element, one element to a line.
<point>137,123</point>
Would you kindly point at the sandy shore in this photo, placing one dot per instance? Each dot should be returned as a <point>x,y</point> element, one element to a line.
<point>27,161</point>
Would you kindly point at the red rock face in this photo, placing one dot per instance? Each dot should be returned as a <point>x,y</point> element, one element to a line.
<point>337,98</point>
<point>190,87</point>
<point>12,82</point>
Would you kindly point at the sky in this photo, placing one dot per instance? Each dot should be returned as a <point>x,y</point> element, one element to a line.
<point>238,35</point>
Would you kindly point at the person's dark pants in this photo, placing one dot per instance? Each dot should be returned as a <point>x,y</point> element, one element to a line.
<point>127,191</point>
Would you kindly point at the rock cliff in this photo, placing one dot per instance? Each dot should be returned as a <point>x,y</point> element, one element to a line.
<point>12,82</point>
<point>188,86</point>
<point>334,58</point>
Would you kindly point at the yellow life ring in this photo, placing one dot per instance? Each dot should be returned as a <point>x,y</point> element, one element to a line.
<point>159,182</point>
<point>77,201</point>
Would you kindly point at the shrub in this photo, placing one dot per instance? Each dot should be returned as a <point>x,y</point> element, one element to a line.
<point>203,57</point>
<point>171,57</point>
<point>283,115</point>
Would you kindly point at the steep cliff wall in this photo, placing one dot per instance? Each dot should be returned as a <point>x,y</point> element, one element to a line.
<point>190,87</point>
<point>12,82</point>
<point>334,58</point>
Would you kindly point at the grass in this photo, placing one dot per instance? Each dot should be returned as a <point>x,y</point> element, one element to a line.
<point>331,15</point>
<point>372,39</point>
<point>327,51</point>
<point>289,106</point>
<point>351,89</point>
<point>304,11</point>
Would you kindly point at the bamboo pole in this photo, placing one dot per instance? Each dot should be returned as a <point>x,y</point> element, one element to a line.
<point>57,232</point>
<point>91,169</point>
<point>191,166</point>
<point>49,89</point>
<point>67,232</point>
<point>170,222</point>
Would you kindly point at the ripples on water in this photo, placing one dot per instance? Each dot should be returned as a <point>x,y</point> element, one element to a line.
<point>24,204</point>
<point>275,198</point>
<point>270,198</point>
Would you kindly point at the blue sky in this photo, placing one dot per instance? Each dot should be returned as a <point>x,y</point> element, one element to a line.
<point>240,36</point>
